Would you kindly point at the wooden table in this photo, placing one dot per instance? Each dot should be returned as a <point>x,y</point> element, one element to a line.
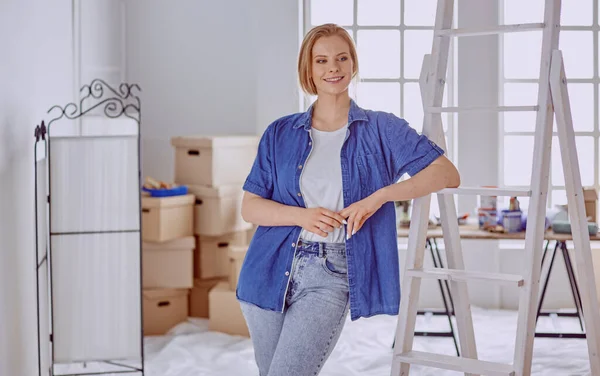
<point>473,232</point>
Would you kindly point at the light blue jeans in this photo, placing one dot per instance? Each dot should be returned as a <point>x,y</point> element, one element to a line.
<point>299,341</point>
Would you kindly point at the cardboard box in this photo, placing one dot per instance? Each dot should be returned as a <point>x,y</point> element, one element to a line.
<point>218,210</point>
<point>211,257</point>
<point>224,312</point>
<point>590,198</point>
<point>167,218</point>
<point>163,309</point>
<point>169,264</point>
<point>236,254</point>
<point>214,160</point>
<point>199,296</point>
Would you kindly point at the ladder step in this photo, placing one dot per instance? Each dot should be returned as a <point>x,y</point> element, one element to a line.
<point>513,192</point>
<point>453,363</point>
<point>491,30</point>
<point>482,109</point>
<point>465,275</point>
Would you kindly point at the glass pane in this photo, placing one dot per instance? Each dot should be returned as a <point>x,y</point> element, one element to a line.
<point>559,197</point>
<point>519,11</point>
<point>350,33</point>
<point>576,12</point>
<point>413,106</point>
<point>379,96</point>
<point>413,111</point>
<point>577,49</point>
<point>416,44</point>
<point>522,54</point>
<point>340,12</point>
<point>520,95</point>
<point>518,159</point>
<point>378,12</point>
<point>379,53</point>
<point>581,98</point>
<point>519,121</point>
<point>585,154</point>
<point>419,12</point>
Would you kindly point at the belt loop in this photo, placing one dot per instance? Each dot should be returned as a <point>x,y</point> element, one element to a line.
<point>321,250</point>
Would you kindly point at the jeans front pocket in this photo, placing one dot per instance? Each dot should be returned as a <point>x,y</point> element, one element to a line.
<point>335,264</point>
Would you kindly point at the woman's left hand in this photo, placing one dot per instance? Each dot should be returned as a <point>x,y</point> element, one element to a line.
<point>357,213</point>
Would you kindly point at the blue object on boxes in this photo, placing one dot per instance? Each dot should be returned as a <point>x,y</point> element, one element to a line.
<point>177,191</point>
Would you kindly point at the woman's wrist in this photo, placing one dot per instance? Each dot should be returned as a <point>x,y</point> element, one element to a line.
<point>382,195</point>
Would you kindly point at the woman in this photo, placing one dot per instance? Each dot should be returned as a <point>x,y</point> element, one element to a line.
<point>322,192</point>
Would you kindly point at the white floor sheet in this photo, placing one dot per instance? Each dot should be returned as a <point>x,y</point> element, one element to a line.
<point>364,348</point>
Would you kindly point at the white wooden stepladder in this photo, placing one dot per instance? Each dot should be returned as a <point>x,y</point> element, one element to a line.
<point>552,100</point>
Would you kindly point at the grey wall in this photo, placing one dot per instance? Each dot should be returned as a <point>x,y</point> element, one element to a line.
<point>210,67</point>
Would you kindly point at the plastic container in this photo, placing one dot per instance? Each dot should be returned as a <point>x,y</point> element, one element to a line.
<point>511,220</point>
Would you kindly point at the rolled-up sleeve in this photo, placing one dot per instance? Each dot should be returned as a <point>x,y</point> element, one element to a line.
<point>260,178</point>
<point>410,152</point>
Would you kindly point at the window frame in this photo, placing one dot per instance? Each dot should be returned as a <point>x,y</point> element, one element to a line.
<point>594,28</point>
<point>449,120</point>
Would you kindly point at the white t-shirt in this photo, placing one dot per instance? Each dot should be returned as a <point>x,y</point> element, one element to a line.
<point>321,179</point>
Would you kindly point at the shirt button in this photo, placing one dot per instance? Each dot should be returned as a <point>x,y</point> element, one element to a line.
<point>293,244</point>
<point>300,166</point>
<point>287,273</point>
<point>310,143</point>
<point>299,194</point>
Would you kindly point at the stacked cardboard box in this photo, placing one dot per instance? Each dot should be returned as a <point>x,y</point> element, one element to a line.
<point>590,198</point>
<point>167,261</point>
<point>214,169</point>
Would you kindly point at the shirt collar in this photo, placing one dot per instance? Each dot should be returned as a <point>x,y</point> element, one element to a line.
<point>355,113</point>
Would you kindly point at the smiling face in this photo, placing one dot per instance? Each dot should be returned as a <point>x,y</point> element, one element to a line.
<point>331,65</point>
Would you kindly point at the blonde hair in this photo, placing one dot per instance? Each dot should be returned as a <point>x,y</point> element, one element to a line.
<point>305,56</point>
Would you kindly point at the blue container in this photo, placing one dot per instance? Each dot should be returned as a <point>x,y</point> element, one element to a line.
<point>512,220</point>
<point>177,191</point>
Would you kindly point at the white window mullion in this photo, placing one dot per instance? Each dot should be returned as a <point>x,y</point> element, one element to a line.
<point>370,22</point>
<point>518,12</point>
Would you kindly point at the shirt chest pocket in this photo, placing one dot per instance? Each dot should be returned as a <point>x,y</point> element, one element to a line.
<point>371,175</point>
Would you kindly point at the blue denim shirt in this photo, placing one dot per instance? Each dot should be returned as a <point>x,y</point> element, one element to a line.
<point>379,148</point>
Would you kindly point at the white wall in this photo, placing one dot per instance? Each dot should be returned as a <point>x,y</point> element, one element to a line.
<point>35,73</point>
<point>209,67</point>
<point>203,68</point>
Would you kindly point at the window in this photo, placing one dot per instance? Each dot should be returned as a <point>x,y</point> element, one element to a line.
<point>519,83</point>
<point>391,37</point>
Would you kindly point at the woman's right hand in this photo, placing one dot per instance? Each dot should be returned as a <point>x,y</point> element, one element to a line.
<point>320,221</point>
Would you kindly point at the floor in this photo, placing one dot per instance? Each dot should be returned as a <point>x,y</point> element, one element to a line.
<point>364,348</point>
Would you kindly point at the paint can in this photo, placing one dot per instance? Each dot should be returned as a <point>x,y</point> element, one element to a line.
<point>488,202</point>
<point>487,218</point>
<point>511,220</point>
